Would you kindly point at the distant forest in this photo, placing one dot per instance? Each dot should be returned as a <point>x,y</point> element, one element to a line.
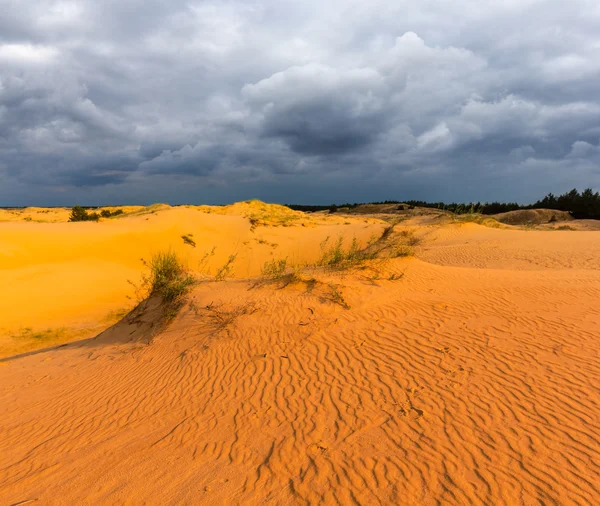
<point>584,205</point>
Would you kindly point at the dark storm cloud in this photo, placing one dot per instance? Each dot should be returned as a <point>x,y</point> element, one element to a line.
<point>203,100</point>
<point>319,110</point>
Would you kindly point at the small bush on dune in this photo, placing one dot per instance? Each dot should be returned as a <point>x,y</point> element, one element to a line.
<point>107,213</point>
<point>168,277</point>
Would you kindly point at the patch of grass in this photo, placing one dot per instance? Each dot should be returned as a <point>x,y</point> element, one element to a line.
<point>565,227</point>
<point>401,251</point>
<point>187,239</point>
<point>385,246</point>
<point>279,271</point>
<point>274,269</point>
<point>335,256</point>
<point>409,237</point>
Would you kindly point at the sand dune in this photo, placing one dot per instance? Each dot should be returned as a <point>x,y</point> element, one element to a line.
<point>64,281</point>
<point>472,379</point>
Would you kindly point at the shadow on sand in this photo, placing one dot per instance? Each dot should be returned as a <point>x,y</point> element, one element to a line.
<point>140,325</point>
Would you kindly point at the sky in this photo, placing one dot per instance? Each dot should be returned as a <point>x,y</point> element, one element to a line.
<point>142,101</point>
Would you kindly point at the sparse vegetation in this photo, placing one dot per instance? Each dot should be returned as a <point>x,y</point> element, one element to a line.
<point>336,257</point>
<point>336,296</point>
<point>40,335</point>
<point>410,238</point>
<point>401,251</point>
<point>274,269</point>
<point>203,267</point>
<point>220,317</point>
<point>225,269</point>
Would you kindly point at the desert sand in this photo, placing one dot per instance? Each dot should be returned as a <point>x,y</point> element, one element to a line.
<point>467,372</point>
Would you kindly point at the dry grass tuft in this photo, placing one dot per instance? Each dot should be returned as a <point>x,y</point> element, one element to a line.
<point>219,317</point>
<point>167,278</point>
<point>225,270</point>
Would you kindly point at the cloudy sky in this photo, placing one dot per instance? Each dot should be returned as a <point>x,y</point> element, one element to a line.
<point>141,101</point>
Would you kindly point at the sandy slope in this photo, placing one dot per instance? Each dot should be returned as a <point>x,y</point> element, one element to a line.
<point>63,281</point>
<point>473,379</point>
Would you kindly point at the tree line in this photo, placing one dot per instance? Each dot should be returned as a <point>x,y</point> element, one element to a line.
<point>584,205</point>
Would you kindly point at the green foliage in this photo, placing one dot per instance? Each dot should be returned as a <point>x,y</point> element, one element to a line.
<point>581,205</point>
<point>78,213</point>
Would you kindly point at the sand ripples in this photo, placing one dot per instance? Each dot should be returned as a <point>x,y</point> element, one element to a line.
<point>450,386</point>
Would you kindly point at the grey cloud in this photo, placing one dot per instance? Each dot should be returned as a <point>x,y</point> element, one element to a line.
<point>311,101</point>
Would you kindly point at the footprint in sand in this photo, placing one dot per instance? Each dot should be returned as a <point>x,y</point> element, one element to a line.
<point>319,447</point>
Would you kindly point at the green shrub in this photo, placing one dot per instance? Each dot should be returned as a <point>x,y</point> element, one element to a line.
<point>107,213</point>
<point>78,213</point>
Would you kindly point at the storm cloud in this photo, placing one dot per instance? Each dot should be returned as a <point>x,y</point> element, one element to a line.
<point>311,102</point>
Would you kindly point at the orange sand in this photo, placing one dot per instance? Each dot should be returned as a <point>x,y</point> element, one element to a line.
<point>473,379</point>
